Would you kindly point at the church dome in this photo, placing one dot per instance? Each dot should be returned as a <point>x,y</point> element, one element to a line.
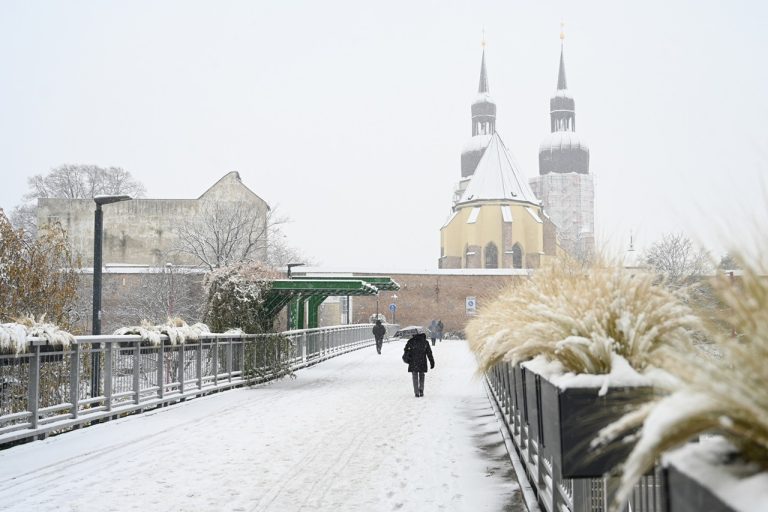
<point>563,141</point>
<point>483,105</point>
<point>563,152</point>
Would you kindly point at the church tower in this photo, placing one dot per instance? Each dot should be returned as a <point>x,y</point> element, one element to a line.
<point>564,184</point>
<point>496,220</point>
<point>483,126</point>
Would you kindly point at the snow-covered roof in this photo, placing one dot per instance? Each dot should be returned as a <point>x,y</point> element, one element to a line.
<point>498,177</point>
<point>476,143</point>
<point>562,93</point>
<point>564,140</point>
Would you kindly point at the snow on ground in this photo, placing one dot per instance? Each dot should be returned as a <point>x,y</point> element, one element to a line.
<point>345,435</point>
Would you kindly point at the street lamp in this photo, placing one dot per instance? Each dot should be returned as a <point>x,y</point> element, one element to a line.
<point>290,304</point>
<point>97,268</point>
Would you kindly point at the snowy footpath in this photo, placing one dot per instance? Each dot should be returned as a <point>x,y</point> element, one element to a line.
<point>345,435</point>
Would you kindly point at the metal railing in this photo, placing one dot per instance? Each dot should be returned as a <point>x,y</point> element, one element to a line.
<point>49,391</point>
<point>534,463</point>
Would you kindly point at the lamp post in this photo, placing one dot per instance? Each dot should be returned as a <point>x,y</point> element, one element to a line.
<point>97,268</point>
<point>290,304</point>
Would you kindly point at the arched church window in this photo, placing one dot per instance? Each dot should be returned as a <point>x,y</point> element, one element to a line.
<point>491,256</point>
<point>517,256</point>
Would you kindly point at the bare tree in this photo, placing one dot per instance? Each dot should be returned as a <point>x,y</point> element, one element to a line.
<point>228,232</point>
<point>73,182</point>
<point>83,181</point>
<point>677,260</point>
<point>160,294</point>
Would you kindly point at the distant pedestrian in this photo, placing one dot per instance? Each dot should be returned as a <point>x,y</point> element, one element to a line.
<point>433,331</point>
<point>440,328</point>
<point>416,353</point>
<point>378,332</point>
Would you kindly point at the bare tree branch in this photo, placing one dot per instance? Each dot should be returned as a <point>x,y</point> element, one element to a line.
<point>228,232</point>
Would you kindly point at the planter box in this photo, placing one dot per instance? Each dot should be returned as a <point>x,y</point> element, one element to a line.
<point>532,401</point>
<point>571,419</point>
<point>699,477</point>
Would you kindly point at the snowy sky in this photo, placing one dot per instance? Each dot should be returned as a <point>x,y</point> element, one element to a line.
<point>354,113</point>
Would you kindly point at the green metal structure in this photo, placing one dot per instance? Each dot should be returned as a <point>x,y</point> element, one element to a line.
<point>310,292</point>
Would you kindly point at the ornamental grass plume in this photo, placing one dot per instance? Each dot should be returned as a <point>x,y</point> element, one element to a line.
<point>724,395</point>
<point>581,316</point>
<point>176,329</point>
<point>14,337</point>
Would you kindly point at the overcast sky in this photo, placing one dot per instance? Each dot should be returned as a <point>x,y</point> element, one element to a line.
<point>350,116</point>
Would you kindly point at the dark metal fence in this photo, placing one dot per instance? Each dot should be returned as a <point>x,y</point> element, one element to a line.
<point>535,465</point>
<point>48,391</point>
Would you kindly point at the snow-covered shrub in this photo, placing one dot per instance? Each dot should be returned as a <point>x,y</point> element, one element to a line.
<point>236,298</point>
<point>581,317</point>
<point>723,393</point>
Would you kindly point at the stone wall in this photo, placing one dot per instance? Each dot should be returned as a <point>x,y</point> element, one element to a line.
<point>440,295</point>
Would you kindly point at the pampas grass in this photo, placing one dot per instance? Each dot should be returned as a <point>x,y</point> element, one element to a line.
<point>725,394</point>
<point>176,329</point>
<point>14,337</point>
<point>580,317</point>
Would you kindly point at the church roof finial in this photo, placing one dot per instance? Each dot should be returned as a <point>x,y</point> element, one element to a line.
<point>562,84</point>
<point>483,87</point>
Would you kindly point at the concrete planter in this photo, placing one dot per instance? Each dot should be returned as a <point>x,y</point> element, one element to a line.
<point>571,419</point>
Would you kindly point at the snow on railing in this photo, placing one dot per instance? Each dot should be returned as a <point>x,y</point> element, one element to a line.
<point>49,390</point>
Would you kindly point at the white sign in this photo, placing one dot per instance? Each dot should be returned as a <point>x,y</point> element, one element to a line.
<point>471,306</point>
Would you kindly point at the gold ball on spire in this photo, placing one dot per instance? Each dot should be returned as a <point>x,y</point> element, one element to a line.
<point>562,30</point>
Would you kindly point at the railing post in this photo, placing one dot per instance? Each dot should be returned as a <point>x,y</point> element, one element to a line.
<point>304,347</point>
<point>199,364</point>
<point>137,372</point>
<point>181,366</point>
<point>108,374</point>
<point>242,358</point>
<point>215,361</point>
<point>74,379</point>
<point>161,370</point>
<point>33,396</point>
<point>229,359</point>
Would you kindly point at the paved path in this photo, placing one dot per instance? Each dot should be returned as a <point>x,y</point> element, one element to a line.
<point>345,435</point>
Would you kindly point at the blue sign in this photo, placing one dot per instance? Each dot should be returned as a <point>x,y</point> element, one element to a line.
<point>393,307</point>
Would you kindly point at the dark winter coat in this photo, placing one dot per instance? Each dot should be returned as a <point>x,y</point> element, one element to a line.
<point>379,331</point>
<point>418,352</point>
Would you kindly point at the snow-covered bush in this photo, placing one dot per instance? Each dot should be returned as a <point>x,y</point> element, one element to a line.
<point>725,394</point>
<point>236,298</point>
<point>581,317</point>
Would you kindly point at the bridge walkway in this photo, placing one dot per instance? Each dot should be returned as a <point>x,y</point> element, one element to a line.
<point>344,435</point>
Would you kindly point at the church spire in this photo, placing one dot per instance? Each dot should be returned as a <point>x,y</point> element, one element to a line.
<point>483,87</point>
<point>561,83</point>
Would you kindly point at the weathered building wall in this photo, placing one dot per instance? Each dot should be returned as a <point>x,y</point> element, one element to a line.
<point>140,231</point>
